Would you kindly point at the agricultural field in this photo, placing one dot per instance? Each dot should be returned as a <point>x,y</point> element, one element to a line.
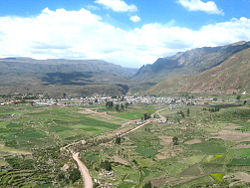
<point>212,147</point>
<point>33,140</point>
<point>196,146</point>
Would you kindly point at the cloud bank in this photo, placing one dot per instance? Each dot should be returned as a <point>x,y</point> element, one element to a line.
<point>84,35</point>
<point>197,5</point>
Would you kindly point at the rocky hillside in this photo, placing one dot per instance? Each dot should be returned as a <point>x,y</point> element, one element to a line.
<point>189,62</point>
<point>230,76</point>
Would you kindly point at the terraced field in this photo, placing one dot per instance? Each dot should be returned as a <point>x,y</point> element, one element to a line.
<point>212,149</point>
<point>32,140</point>
<point>196,146</point>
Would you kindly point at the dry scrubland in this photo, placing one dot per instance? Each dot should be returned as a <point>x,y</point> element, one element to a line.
<point>212,147</point>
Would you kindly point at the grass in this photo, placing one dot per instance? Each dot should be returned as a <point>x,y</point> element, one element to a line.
<point>131,115</point>
<point>134,112</point>
<point>240,152</point>
<point>239,162</point>
<point>214,158</point>
<point>146,151</point>
<point>218,176</point>
<point>210,147</point>
<point>126,185</point>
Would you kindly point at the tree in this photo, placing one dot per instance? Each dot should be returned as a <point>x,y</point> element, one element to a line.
<point>117,107</point>
<point>175,140</point>
<point>75,175</point>
<point>118,140</point>
<point>181,113</point>
<point>126,105</point>
<point>109,104</point>
<point>188,112</point>
<point>106,165</point>
<point>148,185</point>
<point>64,95</point>
<point>146,116</point>
<point>122,107</point>
<point>238,97</point>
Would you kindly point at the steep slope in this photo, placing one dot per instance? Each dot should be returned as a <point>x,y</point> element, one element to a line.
<point>190,62</point>
<point>231,76</point>
<point>22,75</point>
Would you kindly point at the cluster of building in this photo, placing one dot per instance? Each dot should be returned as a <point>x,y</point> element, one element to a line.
<point>133,100</point>
<point>10,102</point>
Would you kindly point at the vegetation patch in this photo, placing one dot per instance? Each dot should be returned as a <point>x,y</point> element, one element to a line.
<point>146,151</point>
<point>210,147</point>
<point>239,162</point>
<point>131,116</point>
<point>240,152</point>
<point>218,176</point>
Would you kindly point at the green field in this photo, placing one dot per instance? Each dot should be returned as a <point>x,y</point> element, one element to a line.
<point>26,130</point>
<point>32,141</point>
<point>150,154</point>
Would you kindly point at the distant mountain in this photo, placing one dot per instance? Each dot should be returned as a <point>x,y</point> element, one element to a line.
<point>63,65</point>
<point>230,76</point>
<point>54,76</point>
<point>189,62</point>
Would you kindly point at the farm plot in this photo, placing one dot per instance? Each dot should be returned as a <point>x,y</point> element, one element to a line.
<point>30,142</point>
<point>200,156</point>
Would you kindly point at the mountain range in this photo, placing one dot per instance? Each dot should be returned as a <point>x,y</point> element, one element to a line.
<point>216,70</point>
<point>58,76</point>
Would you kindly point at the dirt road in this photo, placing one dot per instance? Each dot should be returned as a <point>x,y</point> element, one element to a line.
<point>134,129</point>
<point>84,171</point>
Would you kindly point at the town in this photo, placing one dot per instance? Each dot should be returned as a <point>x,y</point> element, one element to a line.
<point>102,100</point>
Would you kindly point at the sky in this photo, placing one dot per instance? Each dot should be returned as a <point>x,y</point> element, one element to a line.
<point>130,33</point>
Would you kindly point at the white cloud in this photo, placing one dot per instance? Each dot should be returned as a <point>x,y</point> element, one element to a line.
<point>197,5</point>
<point>83,35</point>
<point>135,18</point>
<point>92,7</point>
<point>117,5</point>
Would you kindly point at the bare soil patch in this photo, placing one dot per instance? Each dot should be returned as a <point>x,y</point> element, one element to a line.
<point>192,171</point>
<point>65,167</point>
<point>194,141</point>
<point>160,157</point>
<point>101,114</point>
<point>242,176</point>
<point>232,127</point>
<point>231,135</point>
<point>166,140</point>
<point>168,152</point>
<point>120,160</point>
<point>176,181</point>
<point>242,146</point>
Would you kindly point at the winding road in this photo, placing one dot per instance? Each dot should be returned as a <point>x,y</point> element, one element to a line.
<point>88,183</point>
<point>84,171</point>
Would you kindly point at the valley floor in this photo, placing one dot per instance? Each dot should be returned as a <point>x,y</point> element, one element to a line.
<point>188,146</point>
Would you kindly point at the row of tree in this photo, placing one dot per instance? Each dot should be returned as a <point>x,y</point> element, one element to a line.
<point>181,113</point>
<point>118,107</point>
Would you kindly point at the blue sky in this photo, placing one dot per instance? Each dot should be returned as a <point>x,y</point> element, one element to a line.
<point>126,32</point>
